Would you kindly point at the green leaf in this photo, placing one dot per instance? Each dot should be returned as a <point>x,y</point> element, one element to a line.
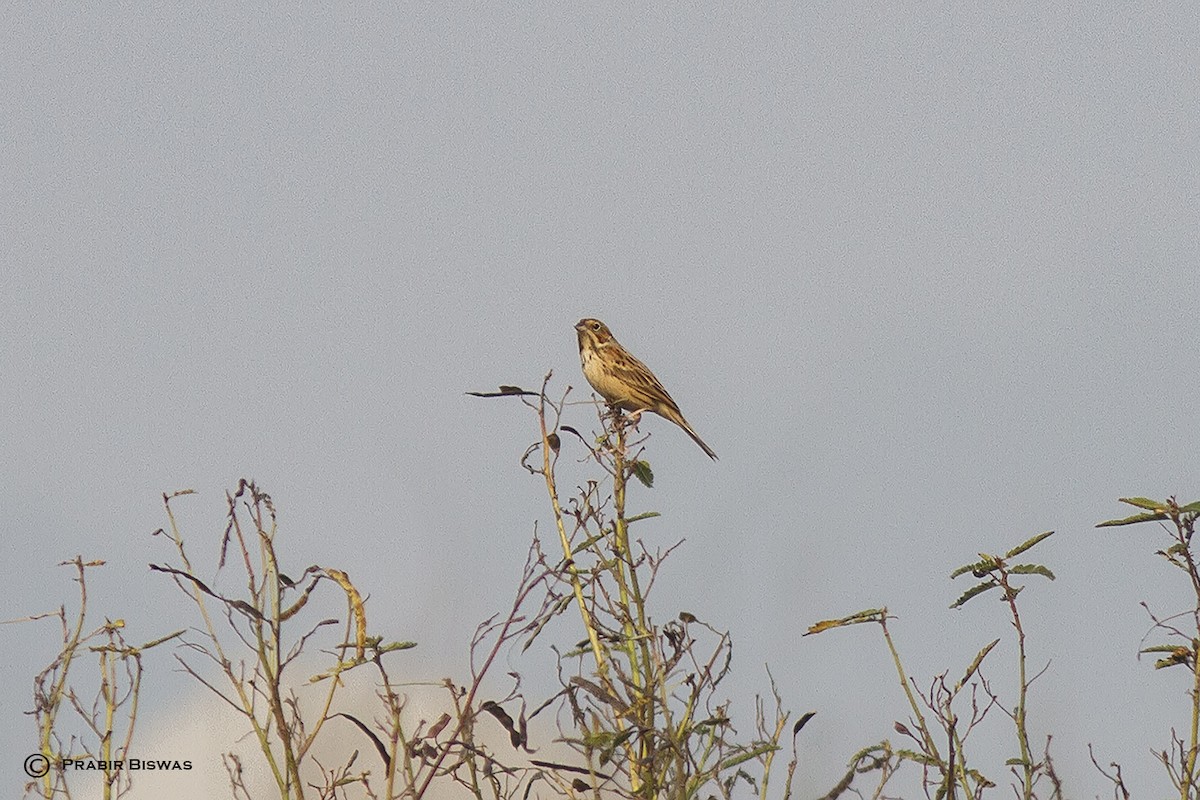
<point>642,471</point>
<point>743,757</point>
<point>588,542</point>
<point>978,588</point>
<point>577,651</point>
<point>866,751</point>
<point>1023,546</point>
<point>1135,519</point>
<point>537,629</point>
<point>162,639</point>
<point>975,664</point>
<point>597,739</point>
<point>985,565</point>
<point>643,515</point>
<point>606,752</point>
<point>1144,502</point>
<point>712,722</point>
<point>622,737</point>
<point>1031,569</point>
<point>920,758</point>
<point>1191,508</point>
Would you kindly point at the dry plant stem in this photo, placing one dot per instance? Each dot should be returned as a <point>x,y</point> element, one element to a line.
<point>1183,535</point>
<point>781,721</point>
<point>959,763</point>
<point>463,713</point>
<point>116,699</point>
<point>1189,771</point>
<point>1180,555</point>
<point>334,683</point>
<point>245,698</point>
<point>395,707</point>
<point>268,643</point>
<point>52,701</point>
<point>109,688</point>
<point>1027,769</point>
<point>633,717</point>
<point>548,457</point>
<point>467,709</point>
<point>926,736</point>
<point>246,701</point>
<point>257,680</point>
<point>1120,792</point>
<point>637,633</point>
<point>410,775</point>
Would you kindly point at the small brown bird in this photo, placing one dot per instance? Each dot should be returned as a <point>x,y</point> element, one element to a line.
<point>623,381</point>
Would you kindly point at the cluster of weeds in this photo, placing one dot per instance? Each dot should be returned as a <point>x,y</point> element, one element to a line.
<point>106,724</point>
<point>639,704</point>
<point>936,738</point>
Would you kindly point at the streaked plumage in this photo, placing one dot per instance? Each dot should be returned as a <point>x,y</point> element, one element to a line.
<point>622,380</point>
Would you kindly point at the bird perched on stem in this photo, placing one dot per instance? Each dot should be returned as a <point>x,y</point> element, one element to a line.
<point>623,381</point>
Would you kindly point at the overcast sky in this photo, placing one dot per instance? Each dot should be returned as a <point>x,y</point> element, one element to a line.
<point>924,276</point>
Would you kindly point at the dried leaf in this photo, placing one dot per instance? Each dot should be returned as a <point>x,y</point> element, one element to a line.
<point>383,753</point>
<point>870,615</point>
<point>515,736</point>
<point>505,391</point>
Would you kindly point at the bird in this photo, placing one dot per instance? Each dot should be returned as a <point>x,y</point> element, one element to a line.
<point>623,381</point>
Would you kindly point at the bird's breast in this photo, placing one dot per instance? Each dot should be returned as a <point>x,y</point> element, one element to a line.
<point>602,379</point>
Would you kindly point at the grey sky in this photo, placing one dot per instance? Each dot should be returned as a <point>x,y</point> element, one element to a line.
<point>924,276</point>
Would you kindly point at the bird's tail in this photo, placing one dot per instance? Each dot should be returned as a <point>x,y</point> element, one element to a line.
<point>696,438</point>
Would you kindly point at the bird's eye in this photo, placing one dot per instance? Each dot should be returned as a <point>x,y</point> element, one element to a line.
<point>595,326</point>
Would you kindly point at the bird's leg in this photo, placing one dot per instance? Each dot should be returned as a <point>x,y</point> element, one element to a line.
<point>614,413</point>
<point>624,420</point>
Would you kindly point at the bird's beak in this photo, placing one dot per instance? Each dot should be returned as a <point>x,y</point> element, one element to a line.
<point>579,325</point>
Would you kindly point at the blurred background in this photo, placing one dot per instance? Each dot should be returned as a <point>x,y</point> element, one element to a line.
<point>923,275</point>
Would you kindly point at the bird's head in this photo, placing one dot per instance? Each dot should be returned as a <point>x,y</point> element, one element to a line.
<point>593,332</point>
